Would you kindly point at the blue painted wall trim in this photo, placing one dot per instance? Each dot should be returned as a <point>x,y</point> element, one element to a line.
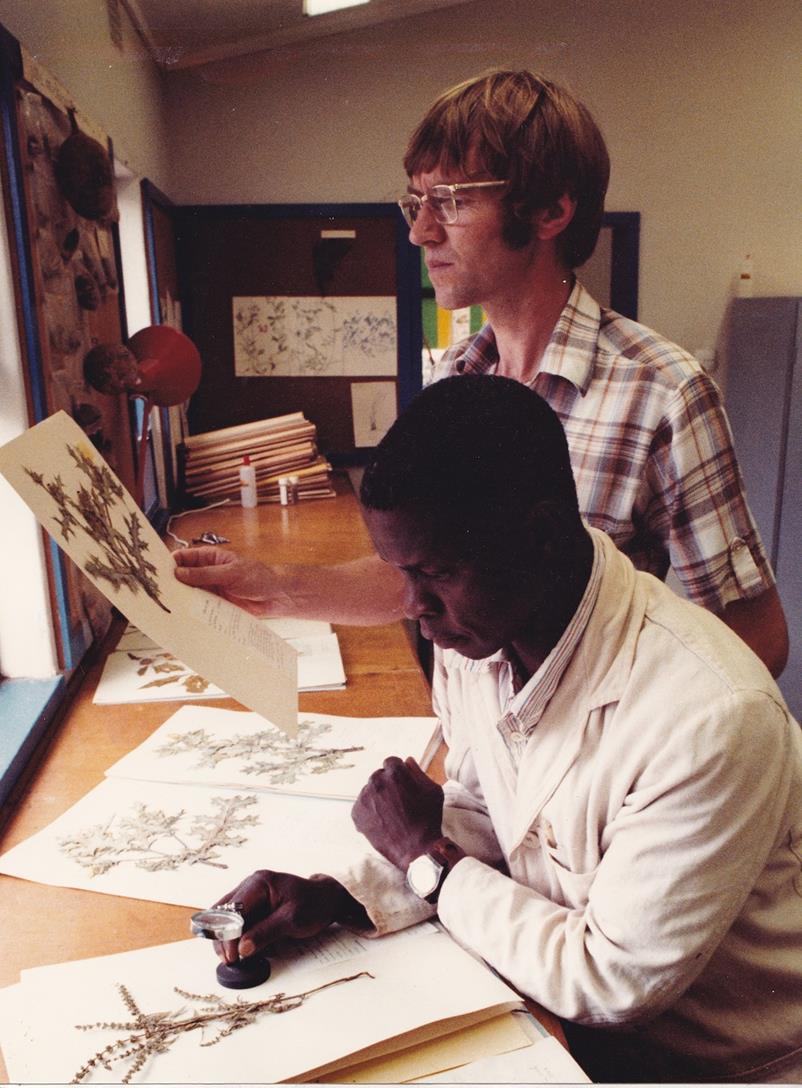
<point>27,708</point>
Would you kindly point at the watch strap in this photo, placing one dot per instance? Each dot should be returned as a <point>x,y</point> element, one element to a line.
<point>445,853</point>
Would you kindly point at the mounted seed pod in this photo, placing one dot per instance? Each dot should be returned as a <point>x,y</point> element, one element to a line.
<point>111,368</point>
<point>88,294</point>
<point>88,417</point>
<point>69,244</point>
<point>85,175</point>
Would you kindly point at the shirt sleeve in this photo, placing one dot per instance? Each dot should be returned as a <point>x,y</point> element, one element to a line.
<point>699,501</point>
<point>679,858</point>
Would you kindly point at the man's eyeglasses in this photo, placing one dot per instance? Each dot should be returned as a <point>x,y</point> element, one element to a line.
<point>442,201</point>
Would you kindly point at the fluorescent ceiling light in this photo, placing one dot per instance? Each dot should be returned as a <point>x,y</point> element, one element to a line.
<point>320,7</point>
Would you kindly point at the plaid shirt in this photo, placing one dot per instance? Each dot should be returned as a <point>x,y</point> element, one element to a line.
<point>651,448</point>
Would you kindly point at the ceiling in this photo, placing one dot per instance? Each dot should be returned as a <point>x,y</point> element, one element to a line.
<point>188,33</point>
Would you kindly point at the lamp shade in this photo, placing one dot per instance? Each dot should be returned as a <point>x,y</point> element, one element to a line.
<point>169,364</point>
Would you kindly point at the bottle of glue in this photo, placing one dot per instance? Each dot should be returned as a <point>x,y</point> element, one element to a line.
<point>247,483</point>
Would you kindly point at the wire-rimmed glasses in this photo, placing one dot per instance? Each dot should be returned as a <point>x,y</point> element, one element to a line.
<point>442,201</point>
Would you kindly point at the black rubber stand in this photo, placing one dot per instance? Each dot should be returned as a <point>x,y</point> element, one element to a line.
<point>244,973</point>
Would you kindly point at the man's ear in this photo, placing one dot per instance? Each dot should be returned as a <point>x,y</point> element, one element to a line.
<point>551,221</point>
<point>544,529</point>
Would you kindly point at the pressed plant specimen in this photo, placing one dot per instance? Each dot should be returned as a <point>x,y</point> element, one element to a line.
<point>169,670</point>
<point>122,560</point>
<point>269,753</point>
<point>148,1034</point>
<point>155,840</point>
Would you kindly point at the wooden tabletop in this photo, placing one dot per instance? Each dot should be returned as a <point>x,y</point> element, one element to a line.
<point>52,924</point>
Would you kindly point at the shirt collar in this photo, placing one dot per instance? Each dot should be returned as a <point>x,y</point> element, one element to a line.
<point>571,349</point>
<point>569,353</point>
<point>533,698</point>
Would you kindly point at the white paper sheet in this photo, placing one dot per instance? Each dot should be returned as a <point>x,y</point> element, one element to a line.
<point>148,673</point>
<point>414,983</point>
<point>320,663</point>
<point>289,627</point>
<point>330,756</point>
<point>187,845</point>
<point>373,409</point>
<point>78,499</point>
<point>285,627</point>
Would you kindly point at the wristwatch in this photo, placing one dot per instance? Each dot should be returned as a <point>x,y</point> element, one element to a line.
<point>427,872</point>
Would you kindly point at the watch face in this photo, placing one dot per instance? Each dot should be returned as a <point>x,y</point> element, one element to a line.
<point>423,875</point>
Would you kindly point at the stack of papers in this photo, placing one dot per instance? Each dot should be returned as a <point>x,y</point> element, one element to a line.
<point>371,999</point>
<point>215,791</point>
<point>276,447</point>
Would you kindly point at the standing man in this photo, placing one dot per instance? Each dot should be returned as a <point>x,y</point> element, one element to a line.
<point>508,174</point>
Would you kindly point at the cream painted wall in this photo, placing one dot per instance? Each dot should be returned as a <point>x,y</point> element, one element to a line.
<point>700,100</point>
<point>123,92</point>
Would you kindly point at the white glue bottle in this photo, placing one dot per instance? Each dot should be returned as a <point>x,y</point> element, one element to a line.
<point>247,483</point>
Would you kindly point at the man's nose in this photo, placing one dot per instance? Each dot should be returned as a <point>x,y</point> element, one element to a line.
<point>419,601</point>
<point>425,228</point>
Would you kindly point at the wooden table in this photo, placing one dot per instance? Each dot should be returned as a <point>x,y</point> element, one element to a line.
<point>52,924</point>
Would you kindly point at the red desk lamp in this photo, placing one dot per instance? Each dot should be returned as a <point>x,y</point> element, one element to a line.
<point>161,365</point>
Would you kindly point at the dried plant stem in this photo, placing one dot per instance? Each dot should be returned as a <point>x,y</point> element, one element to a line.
<point>154,1033</point>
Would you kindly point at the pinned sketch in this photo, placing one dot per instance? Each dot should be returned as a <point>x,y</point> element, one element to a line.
<point>143,672</point>
<point>304,336</point>
<point>330,756</point>
<point>79,500</point>
<point>331,1008</point>
<point>373,406</point>
<point>183,844</point>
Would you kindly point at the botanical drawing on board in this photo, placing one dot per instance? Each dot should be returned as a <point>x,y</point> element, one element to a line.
<point>155,840</point>
<point>273,756</point>
<point>123,561</point>
<point>373,408</point>
<point>307,336</point>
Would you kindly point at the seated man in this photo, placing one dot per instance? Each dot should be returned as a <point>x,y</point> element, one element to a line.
<point>620,835</point>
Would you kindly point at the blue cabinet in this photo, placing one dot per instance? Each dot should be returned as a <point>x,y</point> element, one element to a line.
<point>764,403</point>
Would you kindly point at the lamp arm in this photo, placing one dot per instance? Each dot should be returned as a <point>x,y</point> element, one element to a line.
<point>143,450</point>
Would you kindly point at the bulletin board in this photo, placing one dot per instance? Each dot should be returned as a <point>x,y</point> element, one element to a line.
<point>65,257</point>
<point>311,308</point>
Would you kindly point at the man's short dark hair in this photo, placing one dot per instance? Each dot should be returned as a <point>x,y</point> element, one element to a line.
<point>476,452</point>
<point>517,126</point>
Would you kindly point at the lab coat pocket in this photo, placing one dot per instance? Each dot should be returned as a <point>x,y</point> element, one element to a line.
<point>570,883</point>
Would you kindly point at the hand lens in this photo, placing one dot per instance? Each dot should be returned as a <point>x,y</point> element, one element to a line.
<point>226,923</point>
<point>217,924</point>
